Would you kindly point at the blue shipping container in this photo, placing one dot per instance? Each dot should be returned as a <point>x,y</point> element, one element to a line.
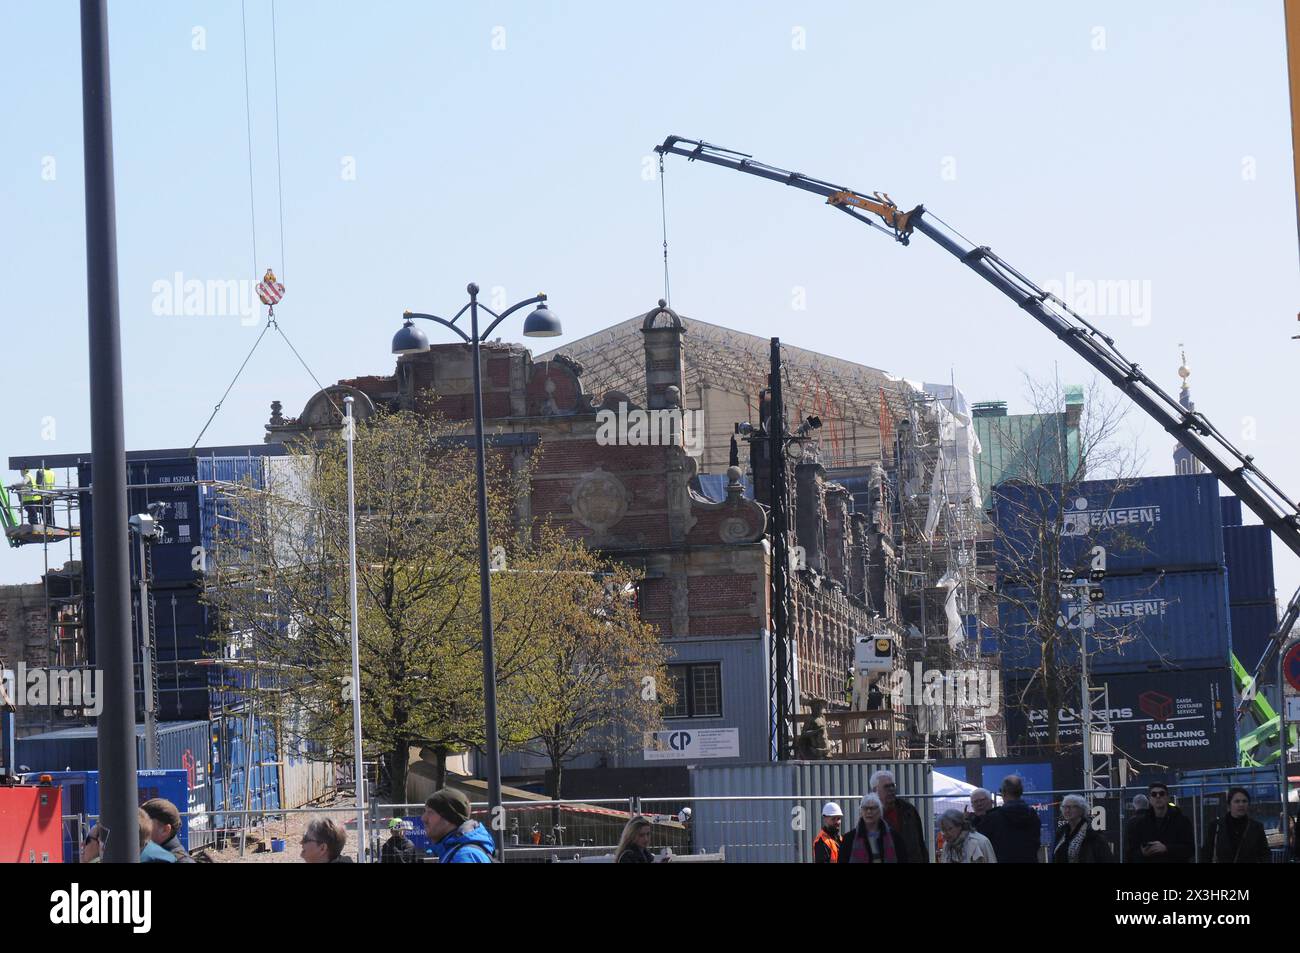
<point>245,767</point>
<point>81,796</point>
<point>182,745</point>
<point>1149,523</point>
<point>1252,628</point>
<point>1175,719</point>
<point>1248,552</point>
<point>1173,620</point>
<point>1231,509</point>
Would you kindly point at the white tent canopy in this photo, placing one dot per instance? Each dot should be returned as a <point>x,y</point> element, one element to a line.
<point>950,794</point>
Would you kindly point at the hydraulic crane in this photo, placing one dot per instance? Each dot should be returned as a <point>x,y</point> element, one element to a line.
<point>1235,469</point>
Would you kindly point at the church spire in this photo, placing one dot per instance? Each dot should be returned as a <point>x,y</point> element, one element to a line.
<point>1184,462</point>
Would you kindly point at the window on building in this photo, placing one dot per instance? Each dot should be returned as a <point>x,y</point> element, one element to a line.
<point>698,689</point>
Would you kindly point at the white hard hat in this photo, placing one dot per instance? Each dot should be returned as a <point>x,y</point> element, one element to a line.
<point>831,809</point>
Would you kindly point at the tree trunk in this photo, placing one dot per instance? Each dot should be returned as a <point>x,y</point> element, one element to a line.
<point>557,771</point>
<point>398,760</point>
<point>440,766</point>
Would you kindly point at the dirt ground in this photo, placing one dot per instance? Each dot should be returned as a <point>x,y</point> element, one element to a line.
<point>290,827</point>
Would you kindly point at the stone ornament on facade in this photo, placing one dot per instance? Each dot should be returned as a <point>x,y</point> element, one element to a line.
<point>735,530</point>
<point>599,500</point>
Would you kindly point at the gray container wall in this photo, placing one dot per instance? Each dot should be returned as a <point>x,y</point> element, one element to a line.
<point>763,831</point>
<point>1248,552</point>
<point>744,698</point>
<point>1152,523</point>
<point>750,831</point>
<point>1179,620</point>
<point>744,707</point>
<point>840,781</point>
<point>304,780</point>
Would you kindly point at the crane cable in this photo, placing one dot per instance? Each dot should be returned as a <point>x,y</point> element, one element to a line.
<point>252,213</point>
<point>663,212</point>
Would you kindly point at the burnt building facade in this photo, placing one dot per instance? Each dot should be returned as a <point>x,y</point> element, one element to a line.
<point>621,471</point>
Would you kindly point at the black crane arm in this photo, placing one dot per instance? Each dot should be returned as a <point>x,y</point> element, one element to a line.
<point>1236,470</point>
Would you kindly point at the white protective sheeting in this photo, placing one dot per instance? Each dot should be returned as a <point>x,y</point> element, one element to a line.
<point>955,479</point>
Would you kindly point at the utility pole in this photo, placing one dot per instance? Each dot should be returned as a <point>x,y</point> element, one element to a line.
<point>116,727</point>
<point>780,653</point>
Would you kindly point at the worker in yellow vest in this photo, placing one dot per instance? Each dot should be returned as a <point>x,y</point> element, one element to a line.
<point>826,846</point>
<point>45,480</point>
<point>30,498</point>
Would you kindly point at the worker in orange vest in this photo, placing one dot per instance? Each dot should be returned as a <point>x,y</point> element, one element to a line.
<point>826,846</point>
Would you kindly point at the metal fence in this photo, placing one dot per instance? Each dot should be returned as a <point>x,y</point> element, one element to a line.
<point>753,828</point>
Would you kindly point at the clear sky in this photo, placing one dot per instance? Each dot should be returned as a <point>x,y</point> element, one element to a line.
<point>427,145</point>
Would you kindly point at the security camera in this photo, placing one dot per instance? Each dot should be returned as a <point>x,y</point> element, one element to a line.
<point>146,525</point>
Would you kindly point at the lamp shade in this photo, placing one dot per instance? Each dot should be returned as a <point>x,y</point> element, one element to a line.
<point>542,323</point>
<point>410,339</point>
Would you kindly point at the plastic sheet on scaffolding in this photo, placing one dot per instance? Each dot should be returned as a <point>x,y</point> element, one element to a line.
<point>956,630</point>
<point>955,479</point>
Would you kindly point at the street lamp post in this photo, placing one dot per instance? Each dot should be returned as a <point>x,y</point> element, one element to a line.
<point>359,766</point>
<point>411,340</point>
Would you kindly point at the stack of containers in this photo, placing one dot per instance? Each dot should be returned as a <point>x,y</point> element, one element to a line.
<point>1166,599</point>
<point>197,511</point>
<point>1252,602</point>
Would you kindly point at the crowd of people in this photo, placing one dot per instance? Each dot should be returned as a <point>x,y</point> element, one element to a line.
<point>888,830</point>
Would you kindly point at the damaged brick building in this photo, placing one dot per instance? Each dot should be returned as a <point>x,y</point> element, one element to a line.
<point>698,536</point>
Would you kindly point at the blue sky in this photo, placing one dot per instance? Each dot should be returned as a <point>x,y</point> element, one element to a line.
<point>427,145</point>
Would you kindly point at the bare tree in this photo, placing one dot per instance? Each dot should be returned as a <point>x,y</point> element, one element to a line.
<point>1040,531</point>
<point>282,590</point>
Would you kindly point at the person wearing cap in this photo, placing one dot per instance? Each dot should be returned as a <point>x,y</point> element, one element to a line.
<point>455,838</point>
<point>166,823</point>
<point>398,849</point>
<point>826,847</point>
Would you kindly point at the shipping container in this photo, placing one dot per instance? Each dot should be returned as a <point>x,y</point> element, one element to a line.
<point>1169,620</point>
<point>81,797</point>
<point>1252,630</point>
<point>1248,552</point>
<point>245,767</point>
<point>1174,720</point>
<point>182,745</point>
<point>760,831</point>
<point>1230,506</point>
<point>1149,523</point>
<point>192,487</point>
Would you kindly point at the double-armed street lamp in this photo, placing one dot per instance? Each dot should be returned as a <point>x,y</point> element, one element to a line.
<point>540,323</point>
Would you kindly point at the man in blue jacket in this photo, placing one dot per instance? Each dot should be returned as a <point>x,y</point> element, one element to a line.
<point>455,839</point>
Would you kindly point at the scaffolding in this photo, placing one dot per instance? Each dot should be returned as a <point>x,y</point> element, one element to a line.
<point>937,533</point>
